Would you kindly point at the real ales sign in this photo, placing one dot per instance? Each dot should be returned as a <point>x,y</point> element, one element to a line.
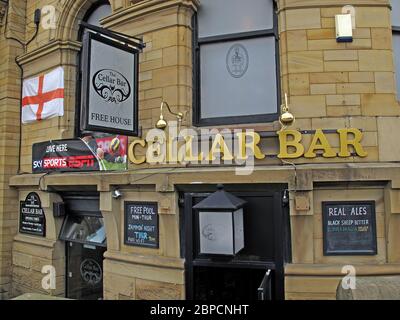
<point>349,228</point>
<point>109,86</point>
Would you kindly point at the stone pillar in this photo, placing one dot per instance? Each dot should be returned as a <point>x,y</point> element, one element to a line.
<point>132,272</point>
<point>9,132</point>
<point>32,253</point>
<point>333,85</point>
<point>392,204</point>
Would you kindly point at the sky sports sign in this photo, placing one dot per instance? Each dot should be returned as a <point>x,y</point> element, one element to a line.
<point>109,86</point>
<point>86,154</point>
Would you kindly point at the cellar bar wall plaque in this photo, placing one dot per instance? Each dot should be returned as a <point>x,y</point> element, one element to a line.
<point>349,228</point>
<point>141,224</point>
<point>32,219</point>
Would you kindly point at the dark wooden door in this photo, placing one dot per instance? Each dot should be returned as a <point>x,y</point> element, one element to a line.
<point>84,271</point>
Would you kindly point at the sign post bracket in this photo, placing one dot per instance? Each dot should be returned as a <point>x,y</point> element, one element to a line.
<point>124,38</point>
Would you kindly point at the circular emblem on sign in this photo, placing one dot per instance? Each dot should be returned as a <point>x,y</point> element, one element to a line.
<point>33,200</point>
<point>208,232</point>
<point>91,271</point>
<point>237,60</point>
<point>111,85</point>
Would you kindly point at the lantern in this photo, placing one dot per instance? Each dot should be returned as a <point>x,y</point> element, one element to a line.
<point>220,221</point>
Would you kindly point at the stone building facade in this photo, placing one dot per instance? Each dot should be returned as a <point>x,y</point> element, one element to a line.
<point>331,86</point>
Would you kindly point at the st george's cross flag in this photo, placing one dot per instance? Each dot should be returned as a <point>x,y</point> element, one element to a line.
<point>43,96</point>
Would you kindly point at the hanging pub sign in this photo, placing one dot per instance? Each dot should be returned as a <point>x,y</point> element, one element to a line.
<point>32,219</point>
<point>109,86</point>
<point>85,154</point>
<point>349,228</point>
<point>141,224</point>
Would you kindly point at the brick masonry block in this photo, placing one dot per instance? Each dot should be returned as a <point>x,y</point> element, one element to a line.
<point>302,19</point>
<point>305,61</point>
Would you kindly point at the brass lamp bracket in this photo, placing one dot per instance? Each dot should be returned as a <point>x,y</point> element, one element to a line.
<point>161,123</point>
<point>286,118</point>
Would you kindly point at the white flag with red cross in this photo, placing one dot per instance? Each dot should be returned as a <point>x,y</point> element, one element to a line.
<point>43,96</point>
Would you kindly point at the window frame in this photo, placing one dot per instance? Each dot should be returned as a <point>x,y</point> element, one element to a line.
<point>198,121</point>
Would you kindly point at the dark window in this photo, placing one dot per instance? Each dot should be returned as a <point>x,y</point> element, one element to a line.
<point>84,229</point>
<point>94,15</point>
<point>235,62</point>
<point>83,222</point>
<point>396,41</point>
<point>99,12</point>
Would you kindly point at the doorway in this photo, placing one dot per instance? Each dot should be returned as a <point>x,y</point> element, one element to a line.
<point>84,271</point>
<point>233,284</point>
<point>84,234</point>
<point>256,272</point>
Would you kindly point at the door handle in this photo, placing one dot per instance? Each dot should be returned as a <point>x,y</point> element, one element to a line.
<point>69,274</point>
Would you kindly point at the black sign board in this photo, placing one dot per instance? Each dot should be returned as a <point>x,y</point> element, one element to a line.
<point>32,219</point>
<point>141,224</point>
<point>109,86</point>
<point>349,228</point>
<point>86,154</point>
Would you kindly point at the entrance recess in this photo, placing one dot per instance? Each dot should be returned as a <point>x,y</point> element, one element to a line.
<point>255,272</point>
<point>85,271</point>
<point>84,234</point>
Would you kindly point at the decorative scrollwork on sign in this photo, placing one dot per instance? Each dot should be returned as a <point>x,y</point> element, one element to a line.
<point>91,272</point>
<point>111,85</point>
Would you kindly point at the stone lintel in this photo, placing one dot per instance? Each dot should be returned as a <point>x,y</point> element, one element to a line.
<point>305,4</point>
<point>336,270</point>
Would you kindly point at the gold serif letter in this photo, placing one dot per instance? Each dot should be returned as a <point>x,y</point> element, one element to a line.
<point>345,143</point>
<point>131,152</point>
<point>294,143</point>
<point>250,144</point>
<point>320,142</point>
<point>219,147</point>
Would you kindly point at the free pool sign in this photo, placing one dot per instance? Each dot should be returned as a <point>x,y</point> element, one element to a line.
<point>109,86</point>
<point>141,224</point>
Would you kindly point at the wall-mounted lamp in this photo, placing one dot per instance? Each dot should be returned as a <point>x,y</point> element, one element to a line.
<point>286,118</point>
<point>116,194</point>
<point>161,123</point>
<point>220,223</point>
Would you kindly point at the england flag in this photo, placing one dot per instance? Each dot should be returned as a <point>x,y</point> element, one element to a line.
<point>43,96</point>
